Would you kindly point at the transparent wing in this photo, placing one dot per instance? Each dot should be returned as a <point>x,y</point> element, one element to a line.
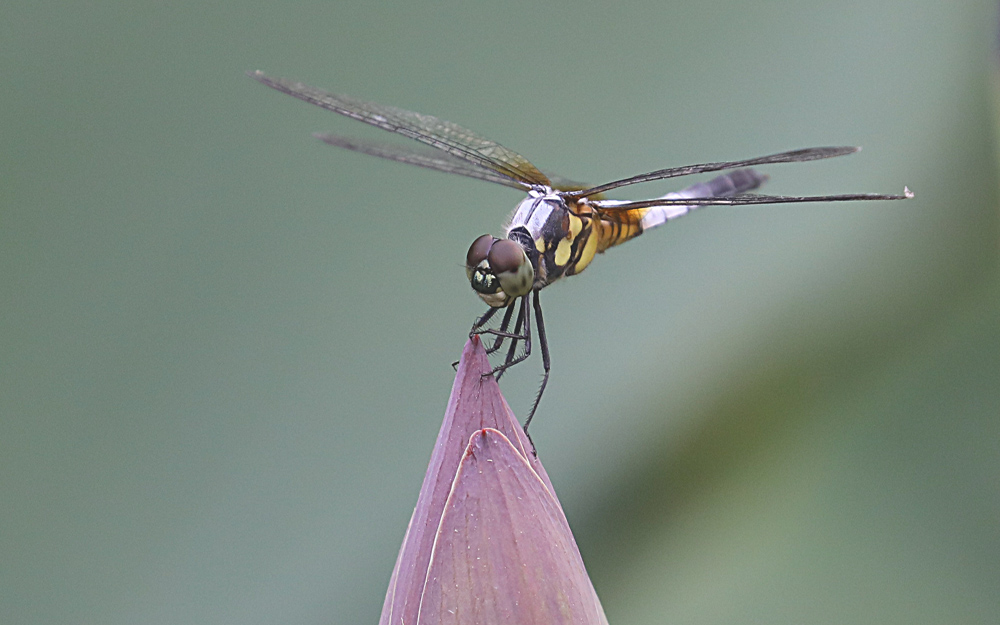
<point>736,182</point>
<point>567,185</point>
<point>749,198</point>
<point>431,159</point>
<point>443,135</point>
<point>436,160</point>
<point>795,156</point>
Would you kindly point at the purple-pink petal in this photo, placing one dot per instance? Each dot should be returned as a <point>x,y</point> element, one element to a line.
<point>511,557</point>
<point>504,554</point>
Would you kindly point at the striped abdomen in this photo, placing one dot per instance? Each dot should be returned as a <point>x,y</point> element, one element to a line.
<point>620,226</point>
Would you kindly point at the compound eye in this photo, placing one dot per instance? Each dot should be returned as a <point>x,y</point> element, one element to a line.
<point>506,256</point>
<point>478,250</point>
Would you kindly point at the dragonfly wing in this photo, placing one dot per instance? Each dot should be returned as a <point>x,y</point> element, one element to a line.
<point>431,159</point>
<point>450,138</point>
<point>794,156</point>
<point>679,203</point>
<point>746,199</point>
<point>569,186</point>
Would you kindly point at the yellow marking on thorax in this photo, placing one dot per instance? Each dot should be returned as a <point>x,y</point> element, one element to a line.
<point>540,245</point>
<point>575,226</point>
<point>563,251</point>
<point>589,248</point>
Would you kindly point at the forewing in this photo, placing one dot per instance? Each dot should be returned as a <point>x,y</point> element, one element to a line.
<point>427,129</point>
<point>794,156</point>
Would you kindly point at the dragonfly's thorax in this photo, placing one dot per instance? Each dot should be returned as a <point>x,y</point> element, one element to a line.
<point>556,235</point>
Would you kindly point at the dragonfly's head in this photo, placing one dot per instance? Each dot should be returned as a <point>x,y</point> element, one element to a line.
<point>499,270</point>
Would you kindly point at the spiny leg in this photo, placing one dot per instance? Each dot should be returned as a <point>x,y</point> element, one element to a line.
<point>513,342</point>
<point>503,328</point>
<point>537,305</point>
<point>483,320</point>
<point>480,322</point>
<point>524,311</point>
<point>505,334</point>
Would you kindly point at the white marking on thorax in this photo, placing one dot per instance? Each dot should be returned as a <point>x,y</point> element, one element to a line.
<point>533,212</point>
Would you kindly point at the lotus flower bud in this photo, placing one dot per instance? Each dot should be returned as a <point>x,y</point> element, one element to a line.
<point>488,542</point>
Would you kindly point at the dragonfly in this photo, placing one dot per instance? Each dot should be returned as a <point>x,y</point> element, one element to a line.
<point>558,229</point>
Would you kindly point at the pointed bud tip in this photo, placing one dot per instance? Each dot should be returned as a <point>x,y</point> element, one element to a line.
<point>474,359</point>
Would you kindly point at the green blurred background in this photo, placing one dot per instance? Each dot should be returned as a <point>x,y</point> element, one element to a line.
<point>226,346</point>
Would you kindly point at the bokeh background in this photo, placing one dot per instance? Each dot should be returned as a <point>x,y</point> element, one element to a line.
<point>225,347</point>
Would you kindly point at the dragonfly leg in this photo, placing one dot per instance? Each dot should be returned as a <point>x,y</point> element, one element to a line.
<point>513,342</point>
<point>483,320</point>
<point>525,313</point>
<point>546,363</point>
<point>503,328</point>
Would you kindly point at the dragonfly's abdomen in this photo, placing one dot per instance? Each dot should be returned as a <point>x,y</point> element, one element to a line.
<point>618,226</point>
<point>732,183</point>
